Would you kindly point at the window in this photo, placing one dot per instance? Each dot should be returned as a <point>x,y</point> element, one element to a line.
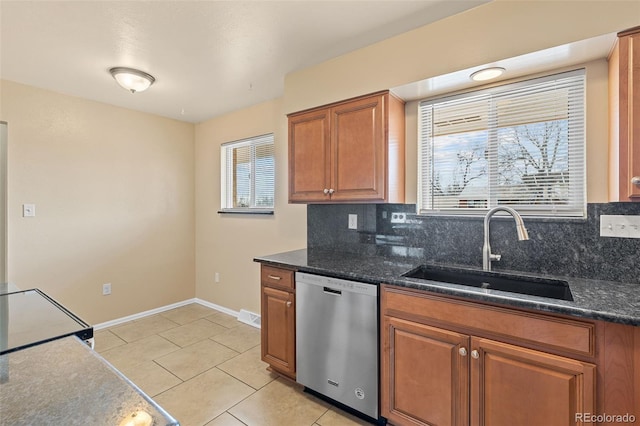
<point>248,175</point>
<point>521,145</point>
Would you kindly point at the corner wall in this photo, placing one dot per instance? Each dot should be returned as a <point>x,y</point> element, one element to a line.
<point>497,30</point>
<point>3,202</point>
<point>114,197</point>
<point>227,243</point>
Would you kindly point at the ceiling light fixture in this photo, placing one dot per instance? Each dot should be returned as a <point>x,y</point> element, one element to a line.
<point>132,79</point>
<point>487,74</point>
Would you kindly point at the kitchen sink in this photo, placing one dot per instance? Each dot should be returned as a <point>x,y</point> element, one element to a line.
<point>533,286</point>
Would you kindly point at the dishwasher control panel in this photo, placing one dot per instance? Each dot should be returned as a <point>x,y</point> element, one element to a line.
<point>337,284</point>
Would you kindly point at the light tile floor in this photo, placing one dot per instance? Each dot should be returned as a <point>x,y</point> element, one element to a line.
<point>204,368</point>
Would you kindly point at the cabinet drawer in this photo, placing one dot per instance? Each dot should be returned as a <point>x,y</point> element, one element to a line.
<point>539,331</point>
<point>278,277</point>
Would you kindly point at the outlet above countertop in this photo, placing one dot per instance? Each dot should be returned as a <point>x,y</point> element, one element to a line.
<point>612,301</point>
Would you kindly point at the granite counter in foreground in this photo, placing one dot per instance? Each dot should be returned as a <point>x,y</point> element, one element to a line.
<point>596,299</point>
<point>64,382</point>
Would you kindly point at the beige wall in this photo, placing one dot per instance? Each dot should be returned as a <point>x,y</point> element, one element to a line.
<point>3,202</point>
<point>497,30</point>
<point>114,195</point>
<point>227,243</point>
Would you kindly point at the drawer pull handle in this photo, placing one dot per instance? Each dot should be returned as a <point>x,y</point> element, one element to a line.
<point>635,180</point>
<point>462,351</point>
<point>475,354</point>
<point>274,277</point>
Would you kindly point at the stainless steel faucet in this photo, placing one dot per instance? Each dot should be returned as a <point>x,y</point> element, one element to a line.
<point>487,256</point>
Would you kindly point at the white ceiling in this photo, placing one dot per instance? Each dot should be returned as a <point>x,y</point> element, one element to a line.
<point>208,57</point>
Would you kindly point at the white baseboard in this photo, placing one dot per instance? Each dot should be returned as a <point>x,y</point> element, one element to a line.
<point>216,307</point>
<point>244,316</point>
<point>142,314</point>
<point>173,306</point>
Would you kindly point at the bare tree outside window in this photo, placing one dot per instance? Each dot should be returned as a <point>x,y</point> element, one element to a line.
<point>533,163</point>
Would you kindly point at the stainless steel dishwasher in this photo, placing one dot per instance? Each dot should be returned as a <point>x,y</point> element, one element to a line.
<point>337,340</point>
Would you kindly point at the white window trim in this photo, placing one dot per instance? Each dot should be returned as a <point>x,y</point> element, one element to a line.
<point>224,196</point>
<point>546,213</point>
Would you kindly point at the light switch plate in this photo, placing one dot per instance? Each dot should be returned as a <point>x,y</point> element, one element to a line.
<point>621,226</point>
<point>353,221</point>
<point>28,210</point>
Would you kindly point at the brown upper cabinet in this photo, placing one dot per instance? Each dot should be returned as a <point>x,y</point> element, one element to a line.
<point>350,151</point>
<point>624,109</point>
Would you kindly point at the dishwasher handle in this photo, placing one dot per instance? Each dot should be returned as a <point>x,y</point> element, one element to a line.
<point>332,291</point>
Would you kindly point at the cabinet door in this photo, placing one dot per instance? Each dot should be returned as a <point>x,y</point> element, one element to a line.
<point>309,156</point>
<point>511,385</point>
<point>278,330</point>
<point>631,48</point>
<point>624,108</point>
<point>424,376</point>
<point>358,150</point>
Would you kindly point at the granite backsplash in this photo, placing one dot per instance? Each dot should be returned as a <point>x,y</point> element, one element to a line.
<point>568,247</point>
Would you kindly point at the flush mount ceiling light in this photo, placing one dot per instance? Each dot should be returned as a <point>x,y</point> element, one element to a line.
<point>132,79</point>
<point>487,74</point>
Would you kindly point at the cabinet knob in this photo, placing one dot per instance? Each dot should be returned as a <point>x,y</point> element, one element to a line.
<point>326,191</point>
<point>331,190</point>
<point>462,351</point>
<point>635,180</point>
<point>289,304</point>
<point>475,354</point>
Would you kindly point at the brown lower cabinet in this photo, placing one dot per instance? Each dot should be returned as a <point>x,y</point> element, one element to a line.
<point>455,362</point>
<point>278,332</point>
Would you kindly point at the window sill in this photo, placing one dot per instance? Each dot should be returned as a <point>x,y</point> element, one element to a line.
<point>247,211</point>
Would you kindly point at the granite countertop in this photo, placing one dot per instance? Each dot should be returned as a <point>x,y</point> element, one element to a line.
<point>64,382</point>
<point>596,299</point>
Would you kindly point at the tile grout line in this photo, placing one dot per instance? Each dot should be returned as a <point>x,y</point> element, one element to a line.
<point>238,353</point>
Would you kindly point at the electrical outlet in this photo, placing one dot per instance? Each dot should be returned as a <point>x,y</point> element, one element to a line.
<point>106,289</point>
<point>398,217</point>
<point>216,277</point>
<point>621,226</point>
<point>353,221</point>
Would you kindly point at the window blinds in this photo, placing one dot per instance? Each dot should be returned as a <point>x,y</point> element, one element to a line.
<point>248,173</point>
<point>521,145</point>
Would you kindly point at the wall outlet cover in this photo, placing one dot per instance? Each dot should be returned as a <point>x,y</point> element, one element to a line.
<point>353,221</point>
<point>620,226</point>
<point>398,217</point>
